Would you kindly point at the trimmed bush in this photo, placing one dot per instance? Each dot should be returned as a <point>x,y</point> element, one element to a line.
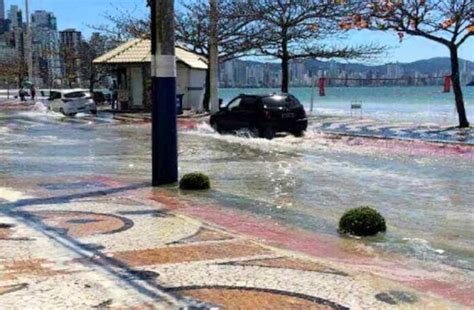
<point>363,221</point>
<point>195,181</point>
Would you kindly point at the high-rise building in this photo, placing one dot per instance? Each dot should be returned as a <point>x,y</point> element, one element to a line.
<point>11,31</point>
<point>47,62</point>
<point>228,74</point>
<point>4,26</point>
<point>71,38</point>
<point>43,19</point>
<point>71,42</point>
<point>15,16</point>
<point>47,65</point>
<point>394,71</point>
<point>2,9</point>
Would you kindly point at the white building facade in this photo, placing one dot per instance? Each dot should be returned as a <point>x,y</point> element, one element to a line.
<point>131,63</point>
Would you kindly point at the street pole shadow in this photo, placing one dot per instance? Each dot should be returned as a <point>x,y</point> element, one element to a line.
<point>138,280</point>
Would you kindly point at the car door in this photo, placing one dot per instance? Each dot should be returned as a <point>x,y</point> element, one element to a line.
<point>54,101</point>
<point>228,119</point>
<point>246,115</point>
<point>76,100</point>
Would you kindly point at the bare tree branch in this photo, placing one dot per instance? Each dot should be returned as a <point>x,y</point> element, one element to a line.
<point>296,29</point>
<point>448,22</point>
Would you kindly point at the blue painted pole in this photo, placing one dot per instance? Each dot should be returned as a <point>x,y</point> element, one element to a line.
<point>164,128</point>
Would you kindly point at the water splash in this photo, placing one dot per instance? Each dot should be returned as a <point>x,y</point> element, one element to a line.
<point>40,107</point>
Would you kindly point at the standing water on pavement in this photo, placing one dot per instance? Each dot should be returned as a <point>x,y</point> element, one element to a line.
<point>307,183</point>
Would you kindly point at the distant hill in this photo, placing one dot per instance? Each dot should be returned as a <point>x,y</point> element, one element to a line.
<point>436,64</point>
<point>427,66</point>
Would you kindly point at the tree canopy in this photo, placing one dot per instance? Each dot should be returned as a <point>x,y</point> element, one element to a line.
<point>447,22</point>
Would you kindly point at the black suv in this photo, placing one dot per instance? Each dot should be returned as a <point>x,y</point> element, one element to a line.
<point>263,115</point>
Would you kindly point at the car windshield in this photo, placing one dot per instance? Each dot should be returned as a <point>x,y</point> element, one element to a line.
<point>77,94</point>
<point>54,95</point>
<point>234,104</point>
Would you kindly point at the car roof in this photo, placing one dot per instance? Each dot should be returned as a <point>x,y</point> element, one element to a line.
<point>68,91</point>
<point>266,95</point>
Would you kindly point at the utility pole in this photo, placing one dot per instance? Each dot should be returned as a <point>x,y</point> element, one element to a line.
<point>163,72</point>
<point>28,52</point>
<point>213,57</point>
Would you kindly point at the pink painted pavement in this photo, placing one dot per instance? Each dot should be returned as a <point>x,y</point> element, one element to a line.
<point>389,266</point>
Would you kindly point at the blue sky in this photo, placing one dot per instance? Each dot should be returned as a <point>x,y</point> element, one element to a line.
<point>81,13</point>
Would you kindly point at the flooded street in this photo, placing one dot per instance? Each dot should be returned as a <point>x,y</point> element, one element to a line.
<point>308,183</point>
<point>424,190</point>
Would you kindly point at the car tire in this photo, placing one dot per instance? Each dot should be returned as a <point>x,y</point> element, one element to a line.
<point>254,132</point>
<point>216,128</point>
<point>267,133</point>
<point>298,133</point>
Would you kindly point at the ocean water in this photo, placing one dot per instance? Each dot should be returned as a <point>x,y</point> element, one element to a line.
<point>397,104</point>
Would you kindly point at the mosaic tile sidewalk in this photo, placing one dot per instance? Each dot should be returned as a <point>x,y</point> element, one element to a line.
<point>366,127</point>
<point>101,250</point>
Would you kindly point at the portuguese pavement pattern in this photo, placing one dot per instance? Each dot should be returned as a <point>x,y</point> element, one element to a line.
<point>98,244</point>
<point>366,127</point>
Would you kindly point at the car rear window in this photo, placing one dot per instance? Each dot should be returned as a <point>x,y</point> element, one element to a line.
<point>77,94</point>
<point>280,101</point>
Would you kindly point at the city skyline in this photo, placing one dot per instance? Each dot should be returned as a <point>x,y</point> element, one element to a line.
<point>91,12</point>
<point>55,53</point>
<point>51,61</point>
<point>242,74</point>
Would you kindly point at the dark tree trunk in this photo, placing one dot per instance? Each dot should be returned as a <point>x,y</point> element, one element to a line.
<point>207,92</point>
<point>457,88</point>
<point>285,73</point>
<point>285,66</point>
<point>91,83</point>
<point>92,80</point>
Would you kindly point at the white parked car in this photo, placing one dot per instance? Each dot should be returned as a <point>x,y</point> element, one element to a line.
<point>71,101</point>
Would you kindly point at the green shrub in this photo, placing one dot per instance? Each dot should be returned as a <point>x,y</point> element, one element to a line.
<point>363,221</point>
<point>195,181</point>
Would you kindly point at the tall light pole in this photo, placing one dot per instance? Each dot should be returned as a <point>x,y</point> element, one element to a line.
<point>28,52</point>
<point>163,75</point>
<point>213,57</point>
